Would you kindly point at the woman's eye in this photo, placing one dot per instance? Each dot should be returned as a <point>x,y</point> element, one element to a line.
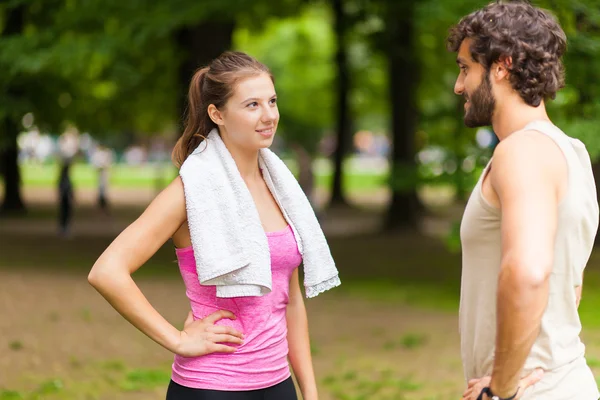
<point>273,101</point>
<point>253,104</point>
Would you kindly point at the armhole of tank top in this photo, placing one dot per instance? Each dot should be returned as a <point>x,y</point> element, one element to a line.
<point>482,200</point>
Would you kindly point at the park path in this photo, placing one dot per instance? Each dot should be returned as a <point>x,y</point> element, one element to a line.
<point>56,326</point>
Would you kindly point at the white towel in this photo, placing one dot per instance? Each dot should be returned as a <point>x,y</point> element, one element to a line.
<point>230,246</point>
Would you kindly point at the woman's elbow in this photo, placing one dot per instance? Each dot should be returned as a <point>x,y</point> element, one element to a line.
<point>102,275</point>
<point>95,277</point>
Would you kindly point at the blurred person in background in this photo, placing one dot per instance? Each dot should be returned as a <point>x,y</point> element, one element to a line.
<point>241,226</point>
<point>529,226</point>
<point>102,159</point>
<point>66,199</point>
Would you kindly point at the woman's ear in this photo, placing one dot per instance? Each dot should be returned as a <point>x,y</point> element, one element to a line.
<point>215,115</point>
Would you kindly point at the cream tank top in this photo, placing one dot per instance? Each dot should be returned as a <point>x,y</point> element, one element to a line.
<point>558,349</point>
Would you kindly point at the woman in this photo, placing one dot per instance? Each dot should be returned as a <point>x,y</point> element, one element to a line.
<point>241,227</point>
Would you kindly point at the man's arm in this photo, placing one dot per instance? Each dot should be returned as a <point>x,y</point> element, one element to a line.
<point>528,180</point>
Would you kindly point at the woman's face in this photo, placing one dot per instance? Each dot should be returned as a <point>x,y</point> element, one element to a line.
<point>250,116</point>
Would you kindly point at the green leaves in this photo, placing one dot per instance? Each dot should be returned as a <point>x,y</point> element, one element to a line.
<point>117,63</point>
<point>116,60</point>
<point>299,52</point>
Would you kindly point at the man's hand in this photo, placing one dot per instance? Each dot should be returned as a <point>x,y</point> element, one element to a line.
<point>475,386</point>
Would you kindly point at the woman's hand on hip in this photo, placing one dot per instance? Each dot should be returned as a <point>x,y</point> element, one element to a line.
<point>202,336</point>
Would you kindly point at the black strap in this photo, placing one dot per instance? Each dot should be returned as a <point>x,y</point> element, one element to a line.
<point>488,391</point>
<point>485,390</point>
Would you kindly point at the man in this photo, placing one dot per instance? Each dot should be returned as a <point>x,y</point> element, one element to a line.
<point>529,226</point>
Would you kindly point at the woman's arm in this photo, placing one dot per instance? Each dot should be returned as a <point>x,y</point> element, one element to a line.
<point>298,341</point>
<point>111,277</point>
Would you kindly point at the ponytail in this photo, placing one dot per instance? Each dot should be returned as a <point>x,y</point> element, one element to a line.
<point>197,122</point>
<point>214,84</point>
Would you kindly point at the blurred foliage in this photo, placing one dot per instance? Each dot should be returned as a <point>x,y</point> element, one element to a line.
<point>576,108</point>
<point>298,50</point>
<point>87,63</point>
<point>106,66</point>
<point>111,66</point>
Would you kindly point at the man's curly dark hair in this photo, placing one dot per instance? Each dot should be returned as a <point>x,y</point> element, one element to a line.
<point>532,37</point>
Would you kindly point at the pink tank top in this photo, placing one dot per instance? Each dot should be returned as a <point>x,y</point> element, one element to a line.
<point>261,361</point>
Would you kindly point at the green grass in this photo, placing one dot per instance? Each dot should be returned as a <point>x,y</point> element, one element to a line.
<point>10,395</point>
<point>413,340</point>
<point>417,294</point>
<point>16,345</point>
<point>85,176</point>
<point>141,379</point>
<point>52,388</point>
<point>354,181</point>
<point>590,300</point>
<point>593,362</point>
<point>98,380</point>
<point>359,384</point>
<point>147,176</point>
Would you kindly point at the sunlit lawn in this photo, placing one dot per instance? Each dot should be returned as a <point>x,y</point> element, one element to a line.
<point>148,175</point>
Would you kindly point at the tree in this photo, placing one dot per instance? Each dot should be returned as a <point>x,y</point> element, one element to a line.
<point>577,106</point>
<point>107,66</point>
<point>390,28</point>
<point>197,52</point>
<point>8,147</point>
<point>404,78</point>
<point>343,125</point>
<point>67,66</point>
<point>298,50</point>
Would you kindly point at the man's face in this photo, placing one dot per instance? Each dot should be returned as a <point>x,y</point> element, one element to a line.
<point>473,83</point>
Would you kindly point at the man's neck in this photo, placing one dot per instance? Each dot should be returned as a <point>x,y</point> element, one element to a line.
<point>510,118</point>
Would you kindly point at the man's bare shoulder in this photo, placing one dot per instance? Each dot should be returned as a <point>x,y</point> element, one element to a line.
<point>529,163</point>
<point>529,149</point>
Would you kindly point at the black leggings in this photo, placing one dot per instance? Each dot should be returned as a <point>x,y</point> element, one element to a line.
<point>282,391</point>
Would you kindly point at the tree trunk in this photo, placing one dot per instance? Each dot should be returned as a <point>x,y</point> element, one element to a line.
<point>9,150</point>
<point>201,44</point>
<point>306,176</point>
<point>9,166</point>
<point>343,119</point>
<point>404,207</point>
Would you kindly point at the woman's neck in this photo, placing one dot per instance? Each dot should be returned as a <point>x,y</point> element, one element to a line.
<point>246,161</point>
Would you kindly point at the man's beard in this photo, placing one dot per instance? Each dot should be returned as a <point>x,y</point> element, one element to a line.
<point>482,104</point>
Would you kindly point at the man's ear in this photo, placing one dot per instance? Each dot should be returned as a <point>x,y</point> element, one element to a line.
<point>501,68</point>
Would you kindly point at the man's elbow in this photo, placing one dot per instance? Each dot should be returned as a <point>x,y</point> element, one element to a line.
<point>528,272</point>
